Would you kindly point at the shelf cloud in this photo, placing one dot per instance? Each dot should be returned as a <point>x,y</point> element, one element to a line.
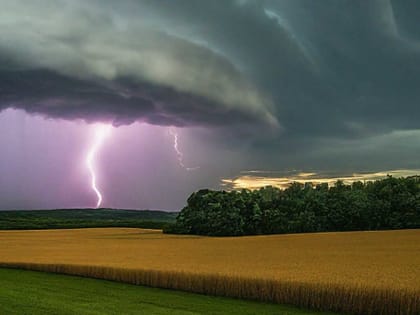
<point>332,67</point>
<point>70,60</point>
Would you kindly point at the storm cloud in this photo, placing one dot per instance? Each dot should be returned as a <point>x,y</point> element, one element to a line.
<point>69,60</point>
<point>349,68</point>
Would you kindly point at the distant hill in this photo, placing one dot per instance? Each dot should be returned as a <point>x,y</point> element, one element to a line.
<point>83,218</point>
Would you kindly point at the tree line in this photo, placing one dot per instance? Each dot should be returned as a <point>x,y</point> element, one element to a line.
<point>390,203</point>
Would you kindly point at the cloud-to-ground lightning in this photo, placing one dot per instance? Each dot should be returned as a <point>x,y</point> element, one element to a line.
<point>101,131</point>
<point>179,154</point>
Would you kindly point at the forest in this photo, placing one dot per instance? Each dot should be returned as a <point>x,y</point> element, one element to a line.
<point>390,203</point>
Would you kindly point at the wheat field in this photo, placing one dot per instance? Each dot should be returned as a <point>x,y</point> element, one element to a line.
<point>351,272</point>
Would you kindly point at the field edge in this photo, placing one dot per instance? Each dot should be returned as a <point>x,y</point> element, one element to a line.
<point>331,298</point>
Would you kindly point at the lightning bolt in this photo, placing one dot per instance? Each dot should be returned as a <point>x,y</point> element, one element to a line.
<point>101,131</point>
<point>179,154</point>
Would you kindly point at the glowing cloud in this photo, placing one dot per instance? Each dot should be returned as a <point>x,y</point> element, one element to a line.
<point>100,133</point>
<point>257,179</point>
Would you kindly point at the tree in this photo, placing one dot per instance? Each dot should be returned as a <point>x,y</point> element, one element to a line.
<point>390,203</point>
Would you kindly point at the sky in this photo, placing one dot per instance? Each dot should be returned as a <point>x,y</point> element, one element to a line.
<point>219,94</point>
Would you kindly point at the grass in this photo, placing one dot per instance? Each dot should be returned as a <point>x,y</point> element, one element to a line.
<point>28,292</point>
<point>83,218</point>
<point>351,272</point>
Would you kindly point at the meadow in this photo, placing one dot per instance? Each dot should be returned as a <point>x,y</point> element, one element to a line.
<point>47,293</point>
<point>348,272</point>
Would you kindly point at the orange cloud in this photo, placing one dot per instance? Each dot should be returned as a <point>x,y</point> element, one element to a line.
<point>258,179</point>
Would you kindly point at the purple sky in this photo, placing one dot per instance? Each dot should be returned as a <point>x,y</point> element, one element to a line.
<point>42,165</point>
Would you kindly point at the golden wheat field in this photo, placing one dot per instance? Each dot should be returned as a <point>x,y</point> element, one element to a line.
<point>355,272</point>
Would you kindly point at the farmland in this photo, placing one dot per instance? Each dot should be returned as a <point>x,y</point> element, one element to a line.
<point>57,294</point>
<point>359,272</point>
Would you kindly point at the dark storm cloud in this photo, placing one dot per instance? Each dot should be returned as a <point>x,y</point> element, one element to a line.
<point>120,101</point>
<point>73,60</point>
<point>368,69</point>
<point>342,68</point>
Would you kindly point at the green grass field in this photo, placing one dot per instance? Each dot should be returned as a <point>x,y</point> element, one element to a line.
<point>29,292</point>
<point>83,218</point>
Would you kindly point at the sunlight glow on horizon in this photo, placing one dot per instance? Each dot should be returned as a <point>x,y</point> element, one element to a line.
<point>254,180</point>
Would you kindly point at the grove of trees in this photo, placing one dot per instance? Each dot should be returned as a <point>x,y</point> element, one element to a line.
<point>391,203</point>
